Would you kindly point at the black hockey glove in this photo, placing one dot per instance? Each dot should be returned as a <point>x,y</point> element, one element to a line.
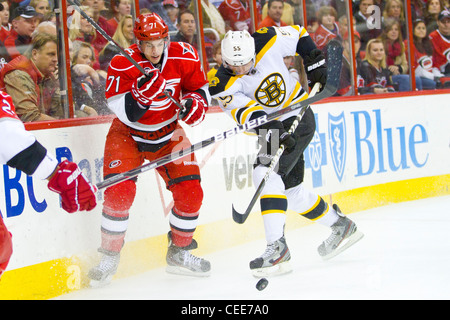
<point>271,129</point>
<point>316,69</point>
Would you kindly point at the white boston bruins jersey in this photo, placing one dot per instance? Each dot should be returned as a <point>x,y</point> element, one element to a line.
<point>269,86</point>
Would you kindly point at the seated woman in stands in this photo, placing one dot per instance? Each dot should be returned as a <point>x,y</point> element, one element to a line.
<point>87,83</point>
<point>81,30</point>
<point>124,37</point>
<point>396,54</point>
<point>423,57</point>
<point>374,76</point>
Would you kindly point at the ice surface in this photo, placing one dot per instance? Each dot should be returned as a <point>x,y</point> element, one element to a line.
<point>405,254</point>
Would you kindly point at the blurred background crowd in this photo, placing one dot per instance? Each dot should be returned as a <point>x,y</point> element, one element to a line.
<point>53,62</point>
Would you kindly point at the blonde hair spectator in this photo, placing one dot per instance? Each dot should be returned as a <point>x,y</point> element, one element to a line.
<point>369,58</point>
<point>79,26</point>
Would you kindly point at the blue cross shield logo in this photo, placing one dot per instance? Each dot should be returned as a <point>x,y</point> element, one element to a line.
<point>338,143</point>
<point>316,155</point>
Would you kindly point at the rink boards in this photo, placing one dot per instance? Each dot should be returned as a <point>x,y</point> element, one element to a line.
<point>365,153</point>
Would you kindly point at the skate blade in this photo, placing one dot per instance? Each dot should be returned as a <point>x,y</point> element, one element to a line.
<point>186,272</point>
<point>276,270</point>
<point>345,244</point>
<point>95,284</point>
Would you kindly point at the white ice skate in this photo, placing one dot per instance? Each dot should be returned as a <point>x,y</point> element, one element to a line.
<point>274,261</point>
<point>344,234</point>
<point>101,275</point>
<point>181,261</point>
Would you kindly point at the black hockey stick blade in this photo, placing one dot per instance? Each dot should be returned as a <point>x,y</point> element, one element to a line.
<point>241,217</point>
<point>334,49</point>
<point>334,66</point>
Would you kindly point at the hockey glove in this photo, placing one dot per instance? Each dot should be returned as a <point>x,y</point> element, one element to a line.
<point>195,109</point>
<point>316,69</point>
<point>149,87</point>
<point>77,193</point>
<point>275,130</point>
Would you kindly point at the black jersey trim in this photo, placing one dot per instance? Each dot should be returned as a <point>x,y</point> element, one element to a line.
<point>28,159</point>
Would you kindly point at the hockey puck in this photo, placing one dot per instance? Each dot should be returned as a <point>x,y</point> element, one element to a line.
<point>262,284</point>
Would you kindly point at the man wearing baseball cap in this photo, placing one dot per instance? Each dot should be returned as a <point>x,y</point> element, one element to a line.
<point>23,25</point>
<point>440,39</point>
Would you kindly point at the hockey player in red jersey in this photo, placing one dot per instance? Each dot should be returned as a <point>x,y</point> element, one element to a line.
<point>146,128</point>
<point>19,149</point>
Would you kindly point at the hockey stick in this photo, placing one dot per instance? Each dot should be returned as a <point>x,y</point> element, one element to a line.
<point>333,71</point>
<point>241,217</point>
<point>76,5</point>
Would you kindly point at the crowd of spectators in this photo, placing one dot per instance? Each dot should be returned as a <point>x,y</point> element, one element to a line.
<point>386,66</point>
<point>379,52</point>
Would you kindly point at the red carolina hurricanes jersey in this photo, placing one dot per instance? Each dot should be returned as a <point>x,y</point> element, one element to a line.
<point>322,36</point>
<point>233,11</point>
<point>441,55</point>
<point>182,69</point>
<point>7,109</point>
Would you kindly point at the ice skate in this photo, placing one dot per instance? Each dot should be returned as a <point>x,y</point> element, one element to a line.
<point>181,261</point>
<point>344,234</point>
<point>102,274</point>
<point>274,261</point>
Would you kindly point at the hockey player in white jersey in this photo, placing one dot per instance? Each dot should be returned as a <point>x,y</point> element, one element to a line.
<point>253,81</point>
<point>19,149</point>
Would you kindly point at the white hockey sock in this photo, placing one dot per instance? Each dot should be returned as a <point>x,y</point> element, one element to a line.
<point>273,204</point>
<point>274,226</point>
<point>310,206</point>
<point>329,217</point>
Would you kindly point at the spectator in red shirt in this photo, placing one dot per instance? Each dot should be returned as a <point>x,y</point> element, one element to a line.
<point>4,32</point>
<point>236,14</point>
<point>5,27</point>
<point>99,41</point>
<point>19,39</point>
<point>274,13</point>
<point>328,28</point>
<point>119,9</point>
<point>440,39</point>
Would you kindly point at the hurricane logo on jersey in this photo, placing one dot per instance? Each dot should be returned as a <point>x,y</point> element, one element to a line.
<point>447,54</point>
<point>338,143</point>
<point>187,48</point>
<point>272,91</point>
<point>426,62</point>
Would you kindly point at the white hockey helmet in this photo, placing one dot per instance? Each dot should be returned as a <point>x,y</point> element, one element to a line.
<point>238,48</point>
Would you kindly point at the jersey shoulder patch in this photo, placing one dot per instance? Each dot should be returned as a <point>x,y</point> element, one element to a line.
<point>262,37</point>
<point>222,81</point>
<point>182,50</point>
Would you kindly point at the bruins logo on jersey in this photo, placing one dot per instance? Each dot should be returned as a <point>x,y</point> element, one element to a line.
<point>214,81</point>
<point>272,90</point>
